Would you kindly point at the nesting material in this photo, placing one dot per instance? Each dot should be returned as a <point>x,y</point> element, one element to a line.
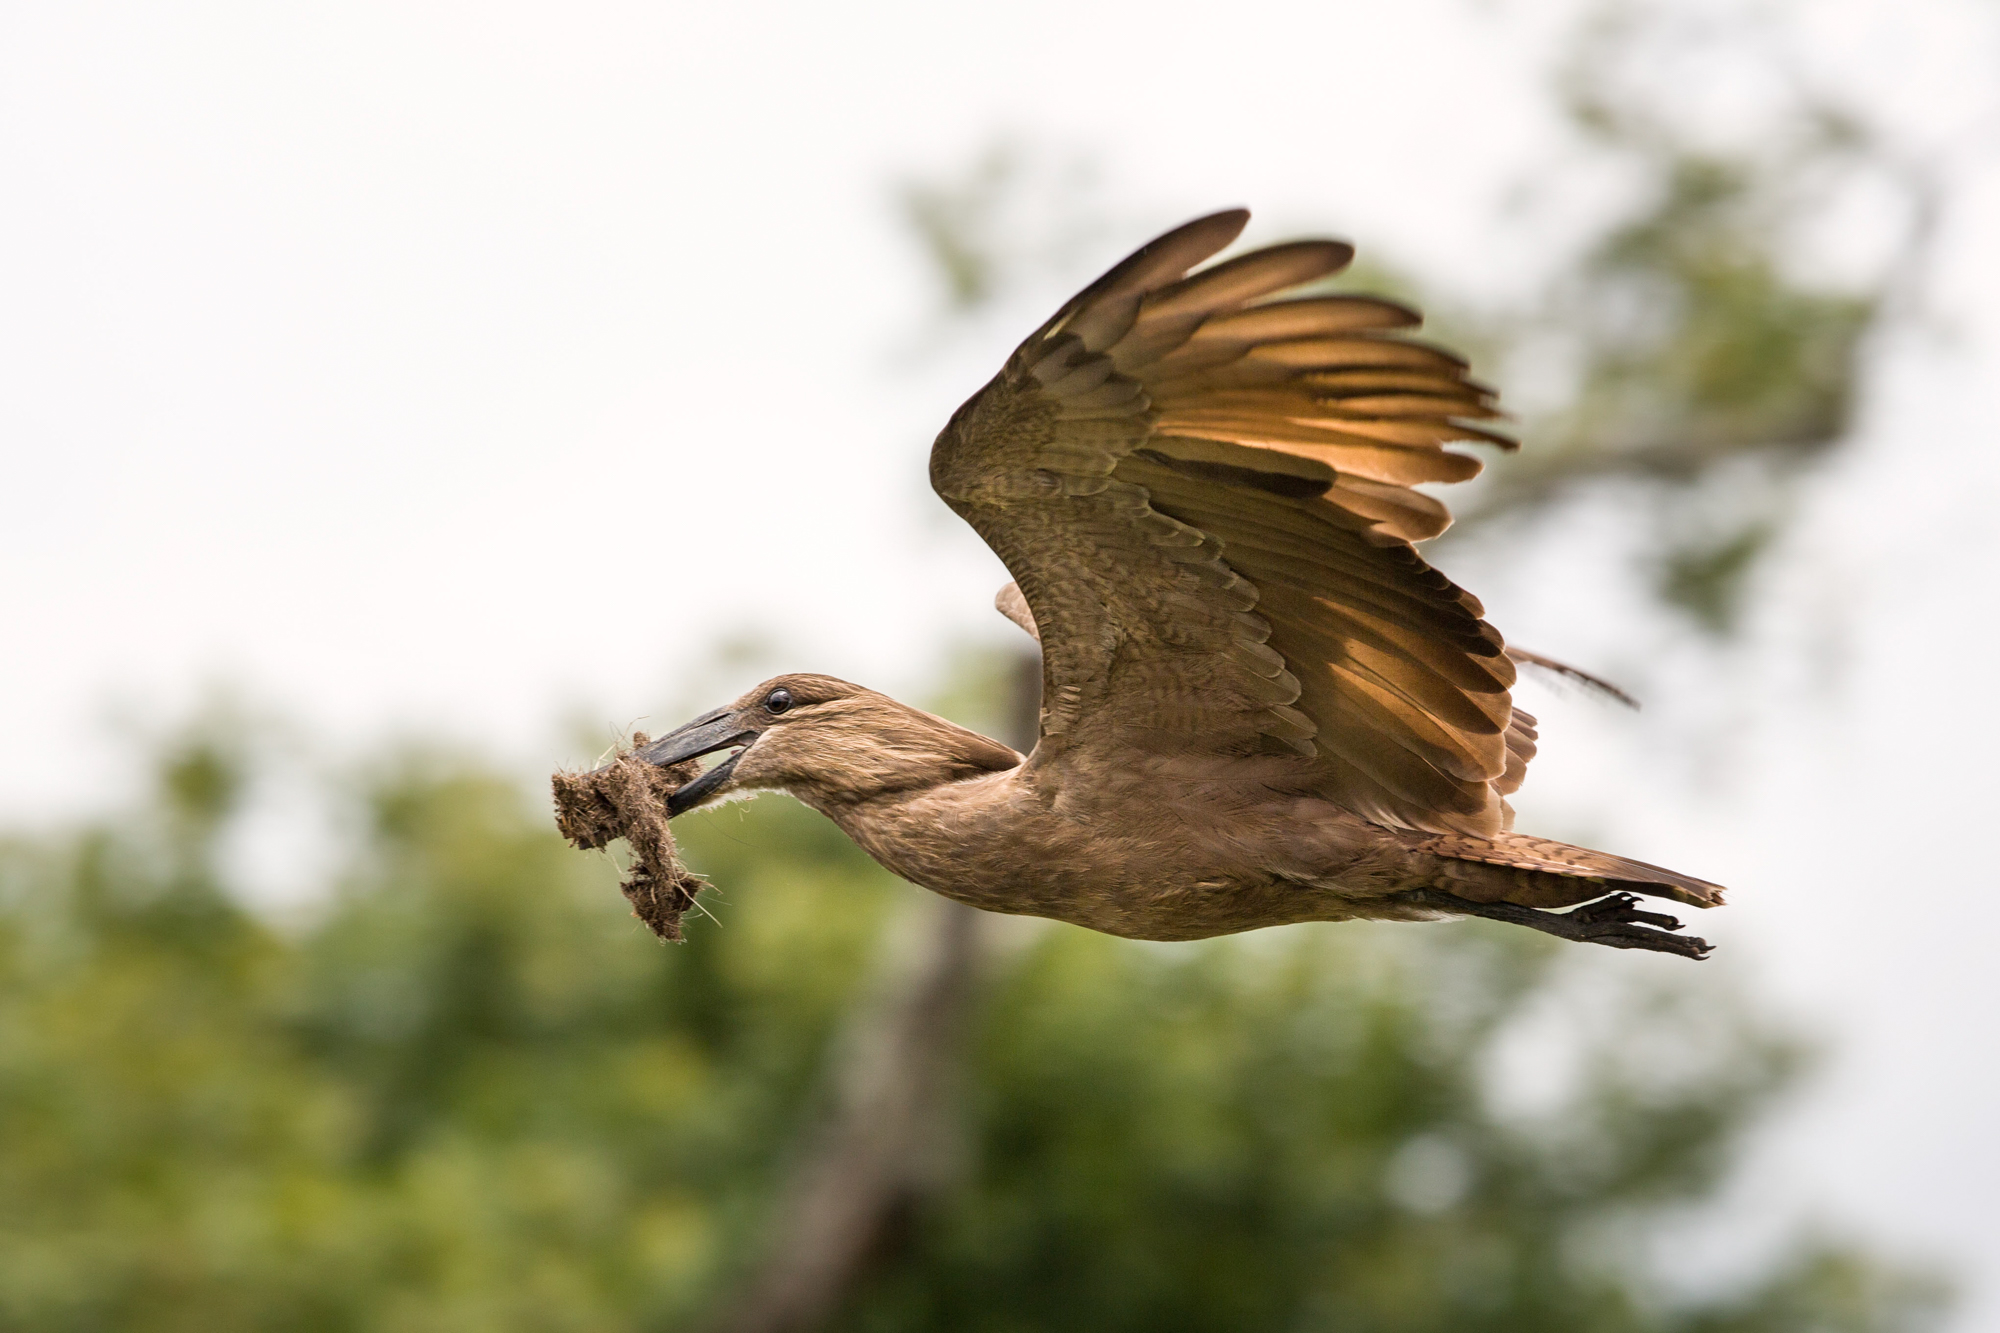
<point>627,798</point>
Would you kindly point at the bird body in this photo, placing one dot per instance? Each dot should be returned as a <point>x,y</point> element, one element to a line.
<point>1157,849</point>
<point>1260,705</point>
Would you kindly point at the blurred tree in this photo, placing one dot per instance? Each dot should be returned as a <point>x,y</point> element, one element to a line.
<point>473,1094</point>
<point>1299,1132</point>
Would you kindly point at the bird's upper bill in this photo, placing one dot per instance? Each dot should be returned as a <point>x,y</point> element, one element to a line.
<point>738,726</point>
<point>720,730</point>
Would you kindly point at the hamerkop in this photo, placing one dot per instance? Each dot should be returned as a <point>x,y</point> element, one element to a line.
<point>1259,704</point>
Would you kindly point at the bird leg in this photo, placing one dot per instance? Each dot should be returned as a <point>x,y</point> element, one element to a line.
<point>1615,921</point>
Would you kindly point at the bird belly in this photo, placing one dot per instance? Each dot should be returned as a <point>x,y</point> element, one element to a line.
<point>1163,878</point>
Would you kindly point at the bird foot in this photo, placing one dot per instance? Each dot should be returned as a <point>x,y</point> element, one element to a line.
<point>1615,921</point>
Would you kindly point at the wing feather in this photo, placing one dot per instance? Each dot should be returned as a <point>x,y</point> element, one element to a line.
<point>1325,316</point>
<point>1247,277</point>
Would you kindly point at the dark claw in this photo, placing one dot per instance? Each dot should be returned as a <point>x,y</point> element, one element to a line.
<point>1607,910</point>
<point>1614,921</point>
<point>1622,909</point>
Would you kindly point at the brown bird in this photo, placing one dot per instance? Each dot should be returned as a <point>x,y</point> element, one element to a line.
<point>1259,704</point>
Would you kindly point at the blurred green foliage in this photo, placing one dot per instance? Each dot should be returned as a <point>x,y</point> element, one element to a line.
<point>1697,343</point>
<point>471,1093</point>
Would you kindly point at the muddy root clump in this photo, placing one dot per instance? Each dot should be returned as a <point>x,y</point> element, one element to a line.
<point>627,798</point>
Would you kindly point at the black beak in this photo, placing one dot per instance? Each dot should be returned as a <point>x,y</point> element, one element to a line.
<point>705,735</point>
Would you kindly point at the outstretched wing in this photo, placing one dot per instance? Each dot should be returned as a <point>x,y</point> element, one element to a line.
<point>1204,493</point>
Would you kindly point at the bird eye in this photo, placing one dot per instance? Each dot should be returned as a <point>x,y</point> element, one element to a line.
<point>778,701</point>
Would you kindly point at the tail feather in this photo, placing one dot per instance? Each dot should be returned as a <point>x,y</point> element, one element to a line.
<point>1541,872</point>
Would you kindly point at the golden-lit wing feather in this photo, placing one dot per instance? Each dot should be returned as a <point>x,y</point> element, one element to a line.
<point>1203,491</point>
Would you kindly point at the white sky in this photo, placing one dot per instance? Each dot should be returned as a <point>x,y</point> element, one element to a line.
<point>464,365</point>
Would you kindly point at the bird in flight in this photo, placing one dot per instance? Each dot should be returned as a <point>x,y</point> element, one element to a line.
<point>1260,705</point>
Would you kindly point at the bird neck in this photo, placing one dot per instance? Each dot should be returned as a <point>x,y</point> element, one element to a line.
<point>951,837</point>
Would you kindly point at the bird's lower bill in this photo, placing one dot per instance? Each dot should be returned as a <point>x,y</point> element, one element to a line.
<point>705,735</point>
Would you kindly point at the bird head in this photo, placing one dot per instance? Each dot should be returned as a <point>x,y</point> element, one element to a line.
<point>826,742</point>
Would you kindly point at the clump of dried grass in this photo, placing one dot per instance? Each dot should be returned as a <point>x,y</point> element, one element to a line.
<point>627,798</point>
